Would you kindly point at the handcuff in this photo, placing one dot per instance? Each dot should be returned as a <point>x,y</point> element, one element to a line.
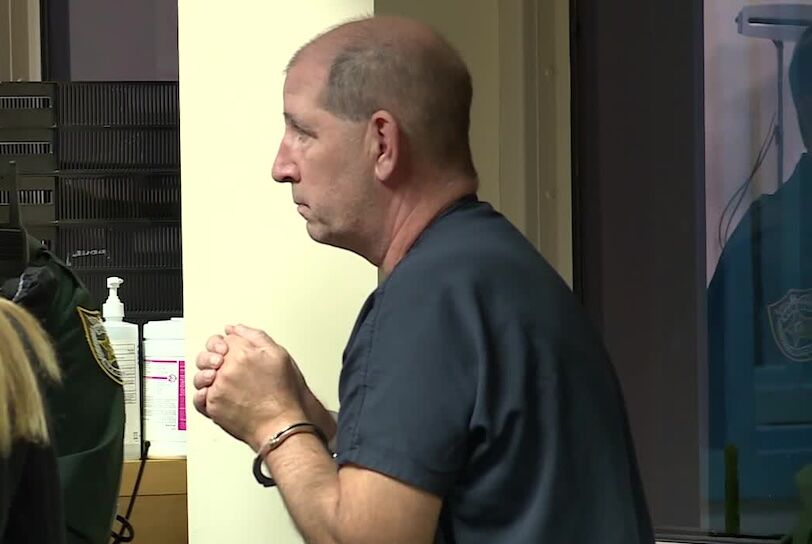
<point>276,440</point>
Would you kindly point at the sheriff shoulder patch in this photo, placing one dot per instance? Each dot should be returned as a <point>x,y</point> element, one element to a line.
<point>99,343</point>
<point>791,324</point>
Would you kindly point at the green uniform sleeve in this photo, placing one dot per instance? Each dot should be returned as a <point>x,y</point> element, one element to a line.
<point>88,406</point>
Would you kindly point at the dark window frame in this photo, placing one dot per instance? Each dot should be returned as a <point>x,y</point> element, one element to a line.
<point>638,170</point>
<point>638,197</point>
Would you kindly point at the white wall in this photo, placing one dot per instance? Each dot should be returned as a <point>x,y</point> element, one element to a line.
<point>246,254</point>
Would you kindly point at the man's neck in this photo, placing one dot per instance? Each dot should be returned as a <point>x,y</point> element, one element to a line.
<point>414,219</point>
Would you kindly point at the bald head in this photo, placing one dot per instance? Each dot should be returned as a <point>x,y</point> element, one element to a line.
<point>406,68</point>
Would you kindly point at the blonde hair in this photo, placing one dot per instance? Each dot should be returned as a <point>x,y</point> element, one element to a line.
<point>25,354</point>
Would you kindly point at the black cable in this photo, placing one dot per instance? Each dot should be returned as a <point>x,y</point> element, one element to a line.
<point>126,532</point>
<point>726,219</point>
<point>739,197</point>
<point>739,194</point>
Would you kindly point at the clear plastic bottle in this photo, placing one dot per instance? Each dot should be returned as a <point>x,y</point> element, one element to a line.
<point>124,339</point>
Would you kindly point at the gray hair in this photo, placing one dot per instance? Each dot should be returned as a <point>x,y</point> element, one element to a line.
<point>424,84</point>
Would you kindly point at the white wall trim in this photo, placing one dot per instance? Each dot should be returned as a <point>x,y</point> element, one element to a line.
<point>535,158</point>
<point>20,57</point>
<point>518,142</point>
<point>5,40</point>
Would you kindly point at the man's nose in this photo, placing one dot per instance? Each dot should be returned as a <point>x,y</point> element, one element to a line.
<point>284,167</point>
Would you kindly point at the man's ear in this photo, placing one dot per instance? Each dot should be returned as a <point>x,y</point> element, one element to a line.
<point>386,141</point>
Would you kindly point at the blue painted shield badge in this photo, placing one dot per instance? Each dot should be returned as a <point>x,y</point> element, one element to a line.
<point>791,324</point>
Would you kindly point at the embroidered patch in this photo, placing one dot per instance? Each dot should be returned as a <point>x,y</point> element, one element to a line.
<point>99,343</point>
<point>791,324</point>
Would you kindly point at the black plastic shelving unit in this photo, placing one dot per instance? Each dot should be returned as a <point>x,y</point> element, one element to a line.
<point>99,183</point>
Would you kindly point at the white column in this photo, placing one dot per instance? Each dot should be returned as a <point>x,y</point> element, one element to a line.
<point>246,255</point>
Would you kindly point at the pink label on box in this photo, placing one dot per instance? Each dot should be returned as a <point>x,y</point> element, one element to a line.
<point>180,379</point>
<point>182,395</point>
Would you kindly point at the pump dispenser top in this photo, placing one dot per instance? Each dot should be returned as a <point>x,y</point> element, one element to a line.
<point>113,308</point>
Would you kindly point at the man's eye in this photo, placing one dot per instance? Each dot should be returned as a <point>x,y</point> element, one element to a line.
<point>301,134</point>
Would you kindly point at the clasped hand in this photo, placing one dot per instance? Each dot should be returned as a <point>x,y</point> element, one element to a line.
<point>249,385</point>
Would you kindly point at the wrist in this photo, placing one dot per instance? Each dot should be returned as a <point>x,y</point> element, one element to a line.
<point>269,428</point>
<point>276,441</point>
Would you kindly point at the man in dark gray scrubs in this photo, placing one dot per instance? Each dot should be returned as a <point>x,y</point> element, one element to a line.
<point>477,403</point>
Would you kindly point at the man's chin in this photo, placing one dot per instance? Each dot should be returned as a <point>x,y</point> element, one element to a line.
<point>321,235</point>
<point>317,234</point>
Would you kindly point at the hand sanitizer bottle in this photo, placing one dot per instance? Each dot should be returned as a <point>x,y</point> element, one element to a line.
<point>124,339</point>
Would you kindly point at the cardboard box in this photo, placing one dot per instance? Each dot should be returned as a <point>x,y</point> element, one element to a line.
<point>159,515</point>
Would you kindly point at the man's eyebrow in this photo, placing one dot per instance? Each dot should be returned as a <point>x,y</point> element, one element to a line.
<point>290,119</point>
